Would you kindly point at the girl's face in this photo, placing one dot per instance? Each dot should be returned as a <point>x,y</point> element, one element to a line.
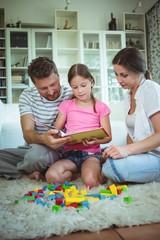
<point>127,79</point>
<point>81,87</point>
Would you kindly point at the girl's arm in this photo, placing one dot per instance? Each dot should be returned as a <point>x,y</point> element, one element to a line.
<point>60,121</point>
<point>105,123</point>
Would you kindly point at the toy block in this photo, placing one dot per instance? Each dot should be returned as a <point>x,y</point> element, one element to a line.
<point>85,203</point>
<point>59,201</point>
<point>44,188</point>
<point>93,195</point>
<point>105,191</point>
<point>73,200</point>
<point>112,197</point>
<point>40,190</point>
<point>59,188</point>
<point>119,191</point>
<point>66,183</point>
<point>50,186</point>
<point>36,189</point>
<point>128,199</point>
<point>121,186</point>
<point>84,192</point>
<point>102,197</point>
<point>59,195</point>
<point>52,197</point>
<point>106,194</point>
<point>75,205</point>
<point>30,201</point>
<point>113,189</point>
<point>56,208</point>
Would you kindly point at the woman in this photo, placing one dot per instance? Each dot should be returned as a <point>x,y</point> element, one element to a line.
<point>139,159</point>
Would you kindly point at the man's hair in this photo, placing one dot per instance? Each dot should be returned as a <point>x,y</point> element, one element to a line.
<point>41,67</point>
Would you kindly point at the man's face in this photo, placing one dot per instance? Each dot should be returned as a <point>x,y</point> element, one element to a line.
<point>48,87</point>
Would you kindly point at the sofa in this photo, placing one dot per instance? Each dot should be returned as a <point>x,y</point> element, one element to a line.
<point>11,134</point>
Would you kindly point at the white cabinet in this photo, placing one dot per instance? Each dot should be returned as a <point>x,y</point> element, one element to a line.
<point>97,51</point>
<point>67,51</point>
<point>135,31</point>
<point>66,47</point>
<point>18,57</point>
<point>113,41</point>
<point>3,79</point>
<point>91,55</point>
<point>43,43</point>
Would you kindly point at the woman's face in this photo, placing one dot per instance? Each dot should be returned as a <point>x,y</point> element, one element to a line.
<point>127,79</point>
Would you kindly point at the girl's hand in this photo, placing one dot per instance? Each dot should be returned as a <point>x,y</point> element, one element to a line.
<point>92,141</point>
<point>115,152</point>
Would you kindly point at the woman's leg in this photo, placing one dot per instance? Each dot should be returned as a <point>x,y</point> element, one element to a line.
<point>90,172</point>
<point>135,168</point>
<point>61,171</point>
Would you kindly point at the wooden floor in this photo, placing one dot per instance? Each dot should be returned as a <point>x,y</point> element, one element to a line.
<point>144,232</point>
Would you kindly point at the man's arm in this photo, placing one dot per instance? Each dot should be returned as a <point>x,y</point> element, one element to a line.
<point>32,136</point>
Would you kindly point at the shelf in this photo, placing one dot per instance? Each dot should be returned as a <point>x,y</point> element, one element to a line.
<point>67,20</point>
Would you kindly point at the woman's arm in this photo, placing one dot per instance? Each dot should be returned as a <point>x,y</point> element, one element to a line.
<point>145,145</point>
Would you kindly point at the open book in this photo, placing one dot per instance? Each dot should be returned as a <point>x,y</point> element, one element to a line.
<point>79,136</point>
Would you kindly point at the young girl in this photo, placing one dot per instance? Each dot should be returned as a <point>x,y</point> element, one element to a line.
<point>82,112</point>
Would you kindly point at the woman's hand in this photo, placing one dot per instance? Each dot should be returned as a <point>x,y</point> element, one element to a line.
<point>115,152</point>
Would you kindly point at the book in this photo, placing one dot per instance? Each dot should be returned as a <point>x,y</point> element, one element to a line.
<point>88,134</point>
<point>79,136</point>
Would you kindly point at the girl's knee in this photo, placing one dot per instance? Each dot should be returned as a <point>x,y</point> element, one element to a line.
<point>52,177</point>
<point>91,180</point>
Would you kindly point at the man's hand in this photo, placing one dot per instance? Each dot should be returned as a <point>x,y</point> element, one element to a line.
<point>52,139</point>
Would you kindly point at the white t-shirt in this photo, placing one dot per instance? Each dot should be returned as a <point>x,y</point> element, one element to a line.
<point>147,100</point>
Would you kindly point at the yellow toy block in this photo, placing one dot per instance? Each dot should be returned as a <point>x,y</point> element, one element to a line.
<point>90,198</point>
<point>113,189</point>
<point>36,189</point>
<point>84,192</point>
<point>121,186</point>
<point>73,200</point>
<point>50,193</point>
<point>75,193</point>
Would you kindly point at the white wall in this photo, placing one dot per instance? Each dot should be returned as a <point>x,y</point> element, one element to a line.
<point>93,14</point>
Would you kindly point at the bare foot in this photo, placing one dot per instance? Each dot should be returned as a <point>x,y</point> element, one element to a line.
<point>36,176</point>
<point>102,178</point>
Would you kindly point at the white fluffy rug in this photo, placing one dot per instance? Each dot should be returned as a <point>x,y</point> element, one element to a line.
<point>30,220</point>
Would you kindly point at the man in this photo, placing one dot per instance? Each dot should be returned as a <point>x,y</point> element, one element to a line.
<point>39,103</point>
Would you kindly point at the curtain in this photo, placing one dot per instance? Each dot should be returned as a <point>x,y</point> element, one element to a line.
<point>153,41</point>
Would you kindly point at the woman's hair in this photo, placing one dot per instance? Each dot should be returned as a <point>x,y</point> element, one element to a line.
<point>133,60</point>
<point>81,70</point>
<point>41,67</point>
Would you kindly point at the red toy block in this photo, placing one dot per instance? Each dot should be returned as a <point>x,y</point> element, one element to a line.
<point>59,201</point>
